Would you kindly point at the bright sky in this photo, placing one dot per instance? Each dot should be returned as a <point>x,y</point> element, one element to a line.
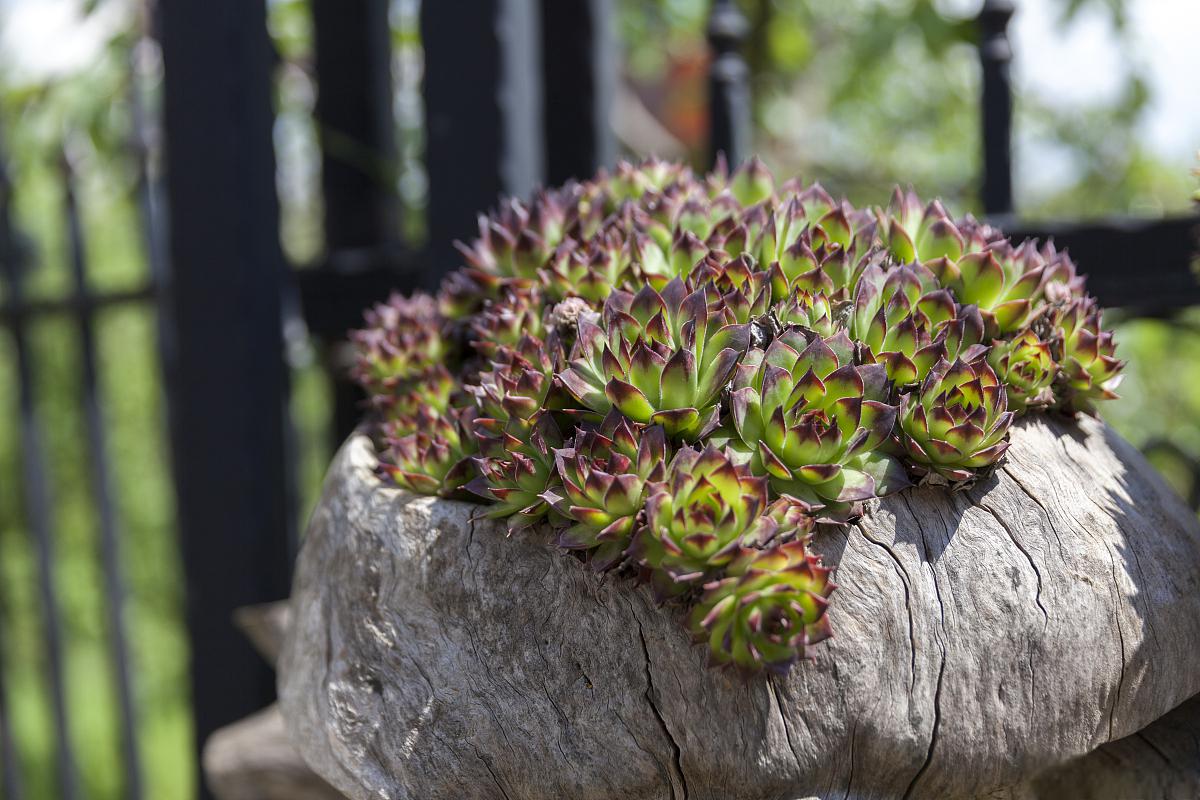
<point>1078,64</point>
<point>46,37</point>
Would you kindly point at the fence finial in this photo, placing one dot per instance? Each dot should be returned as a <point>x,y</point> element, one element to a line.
<point>995,56</point>
<point>729,97</point>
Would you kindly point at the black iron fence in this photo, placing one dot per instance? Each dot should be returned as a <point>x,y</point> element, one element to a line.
<point>81,305</point>
<point>224,290</point>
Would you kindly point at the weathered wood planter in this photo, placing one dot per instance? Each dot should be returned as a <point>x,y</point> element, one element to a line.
<point>986,643</point>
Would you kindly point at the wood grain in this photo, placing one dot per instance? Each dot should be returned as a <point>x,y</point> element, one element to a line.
<point>984,640</point>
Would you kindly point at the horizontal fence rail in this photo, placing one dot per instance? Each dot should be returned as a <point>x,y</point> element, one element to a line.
<point>72,305</point>
<point>1142,265</point>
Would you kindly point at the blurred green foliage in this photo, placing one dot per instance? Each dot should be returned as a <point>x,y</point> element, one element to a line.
<point>89,114</point>
<point>865,94</point>
<point>860,94</point>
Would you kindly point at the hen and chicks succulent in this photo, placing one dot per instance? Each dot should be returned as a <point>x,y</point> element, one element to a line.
<point>683,376</point>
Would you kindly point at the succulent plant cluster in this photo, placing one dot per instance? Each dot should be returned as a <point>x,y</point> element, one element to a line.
<point>682,376</point>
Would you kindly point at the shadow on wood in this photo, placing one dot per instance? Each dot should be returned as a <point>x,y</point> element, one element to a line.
<point>983,638</point>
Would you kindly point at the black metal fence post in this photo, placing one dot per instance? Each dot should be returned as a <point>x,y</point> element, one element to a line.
<point>579,69</point>
<point>224,309</point>
<point>728,93</point>
<point>356,128</point>
<point>483,114</point>
<point>995,56</point>
<point>355,124</point>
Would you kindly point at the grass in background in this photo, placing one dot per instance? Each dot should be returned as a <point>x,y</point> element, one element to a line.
<point>1160,396</point>
<point>133,418</point>
<point>139,457</point>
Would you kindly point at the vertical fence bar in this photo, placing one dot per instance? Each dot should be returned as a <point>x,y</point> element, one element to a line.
<point>10,781</point>
<point>728,91</point>
<point>355,123</point>
<point>141,144</point>
<point>482,111</point>
<point>37,499</point>
<point>357,131</point>
<point>995,56</point>
<point>579,75</point>
<point>102,490</point>
<point>224,299</point>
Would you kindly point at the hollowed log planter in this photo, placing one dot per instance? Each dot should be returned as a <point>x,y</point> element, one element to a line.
<point>988,643</point>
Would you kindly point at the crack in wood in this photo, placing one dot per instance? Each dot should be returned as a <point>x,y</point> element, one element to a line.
<point>1112,712</point>
<point>1062,554</point>
<point>905,579</point>
<point>662,722</point>
<point>850,778</point>
<point>937,691</point>
<point>787,731</point>
<point>1150,743</point>
<point>1032,564</point>
<point>496,780</point>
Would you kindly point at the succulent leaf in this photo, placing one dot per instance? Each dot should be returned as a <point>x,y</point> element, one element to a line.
<point>659,358</point>
<point>516,466</point>
<point>402,340</point>
<point>604,474</point>
<point>957,422</point>
<point>435,458</point>
<point>802,418</point>
<point>767,611</point>
<point>697,517</point>
<point>1026,366</point>
<point>1090,370</point>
